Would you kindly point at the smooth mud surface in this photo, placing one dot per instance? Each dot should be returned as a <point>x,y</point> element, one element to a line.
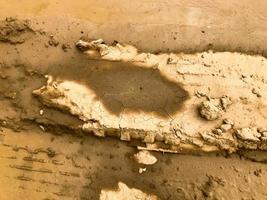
<point>210,107</point>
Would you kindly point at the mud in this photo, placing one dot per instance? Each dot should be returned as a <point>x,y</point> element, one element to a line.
<point>201,116</point>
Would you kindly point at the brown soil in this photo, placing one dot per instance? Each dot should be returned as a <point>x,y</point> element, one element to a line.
<point>45,151</point>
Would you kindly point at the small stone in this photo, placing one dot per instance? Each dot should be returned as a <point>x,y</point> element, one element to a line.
<point>99,133</point>
<point>244,100</point>
<point>41,112</point>
<point>169,61</point>
<point>226,127</point>
<point>217,131</point>
<point>200,94</point>
<point>125,136</point>
<point>42,128</point>
<point>257,172</point>
<point>141,170</point>
<point>2,75</point>
<point>250,134</point>
<point>228,121</point>
<point>244,78</point>
<point>256,91</point>
<point>149,138</point>
<point>264,134</point>
<point>226,102</point>
<point>51,153</point>
<point>210,109</point>
<point>261,130</point>
<point>65,47</point>
<point>197,142</point>
<point>172,139</point>
<point>159,137</point>
<point>145,158</point>
<point>10,94</point>
<point>54,84</point>
<point>53,41</point>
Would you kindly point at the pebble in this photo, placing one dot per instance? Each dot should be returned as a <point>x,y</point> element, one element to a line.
<point>226,127</point>
<point>42,128</point>
<point>141,170</point>
<point>256,91</point>
<point>228,121</point>
<point>145,158</point>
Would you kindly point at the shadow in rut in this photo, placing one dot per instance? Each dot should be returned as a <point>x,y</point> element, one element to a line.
<point>124,85</point>
<point>120,85</point>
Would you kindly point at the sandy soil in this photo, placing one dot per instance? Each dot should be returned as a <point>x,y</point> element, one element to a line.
<point>177,101</point>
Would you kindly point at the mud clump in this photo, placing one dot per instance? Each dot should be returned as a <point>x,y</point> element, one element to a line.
<point>14,31</point>
<point>213,109</point>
